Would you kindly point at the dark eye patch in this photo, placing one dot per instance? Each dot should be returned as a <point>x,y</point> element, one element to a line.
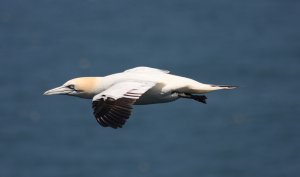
<point>71,86</point>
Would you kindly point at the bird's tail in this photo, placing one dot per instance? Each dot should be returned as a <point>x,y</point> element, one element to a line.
<point>205,88</point>
<point>226,87</point>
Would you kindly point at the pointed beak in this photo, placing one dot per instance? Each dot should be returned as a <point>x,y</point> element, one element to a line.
<point>62,90</point>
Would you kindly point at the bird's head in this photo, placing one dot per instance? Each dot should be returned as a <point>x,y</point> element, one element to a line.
<point>84,87</point>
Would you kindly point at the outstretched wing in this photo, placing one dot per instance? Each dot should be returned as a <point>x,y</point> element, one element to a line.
<point>113,106</point>
<point>144,69</point>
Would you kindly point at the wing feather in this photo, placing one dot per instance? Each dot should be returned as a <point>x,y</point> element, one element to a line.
<point>144,69</point>
<point>113,106</point>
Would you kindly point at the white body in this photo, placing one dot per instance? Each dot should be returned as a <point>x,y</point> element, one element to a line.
<point>163,91</point>
<point>114,95</point>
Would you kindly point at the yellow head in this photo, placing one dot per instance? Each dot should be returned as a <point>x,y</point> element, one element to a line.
<point>84,87</point>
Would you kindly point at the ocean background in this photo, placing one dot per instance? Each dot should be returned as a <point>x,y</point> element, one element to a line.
<point>253,131</point>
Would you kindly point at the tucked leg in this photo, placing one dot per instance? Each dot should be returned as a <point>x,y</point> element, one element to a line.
<point>200,98</point>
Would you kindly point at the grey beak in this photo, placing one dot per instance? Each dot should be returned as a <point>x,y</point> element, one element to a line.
<point>62,90</point>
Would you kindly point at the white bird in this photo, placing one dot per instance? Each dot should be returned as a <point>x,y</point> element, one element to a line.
<point>114,95</point>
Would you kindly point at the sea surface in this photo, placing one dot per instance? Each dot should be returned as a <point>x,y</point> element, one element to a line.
<point>253,131</point>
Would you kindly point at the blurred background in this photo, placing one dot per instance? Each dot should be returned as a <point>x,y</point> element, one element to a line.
<point>251,132</point>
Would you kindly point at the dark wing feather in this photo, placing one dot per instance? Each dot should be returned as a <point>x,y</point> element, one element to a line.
<point>112,113</point>
<point>113,106</point>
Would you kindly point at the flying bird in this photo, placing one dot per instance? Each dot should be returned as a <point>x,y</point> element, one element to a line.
<point>113,96</point>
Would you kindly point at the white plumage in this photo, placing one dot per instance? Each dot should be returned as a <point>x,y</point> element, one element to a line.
<point>114,95</point>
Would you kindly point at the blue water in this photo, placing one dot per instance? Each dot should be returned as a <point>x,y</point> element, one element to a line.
<point>250,132</point>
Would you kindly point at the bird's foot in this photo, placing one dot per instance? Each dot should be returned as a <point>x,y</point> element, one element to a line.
<point>200,98</point>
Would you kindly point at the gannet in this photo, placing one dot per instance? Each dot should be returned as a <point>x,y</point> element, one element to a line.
<point>113,96</point>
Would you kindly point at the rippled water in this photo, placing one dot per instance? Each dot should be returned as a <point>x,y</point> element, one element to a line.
<point>249,132</point>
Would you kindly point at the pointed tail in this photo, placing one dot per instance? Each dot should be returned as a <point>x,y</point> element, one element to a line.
<point>205,88</point>
<point>227,87</point>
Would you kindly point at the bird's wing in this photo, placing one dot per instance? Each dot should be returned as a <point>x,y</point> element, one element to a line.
<point>144,69</point>
<point>113,106</point>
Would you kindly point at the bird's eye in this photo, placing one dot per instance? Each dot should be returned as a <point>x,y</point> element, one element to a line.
<point>71,86</point>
